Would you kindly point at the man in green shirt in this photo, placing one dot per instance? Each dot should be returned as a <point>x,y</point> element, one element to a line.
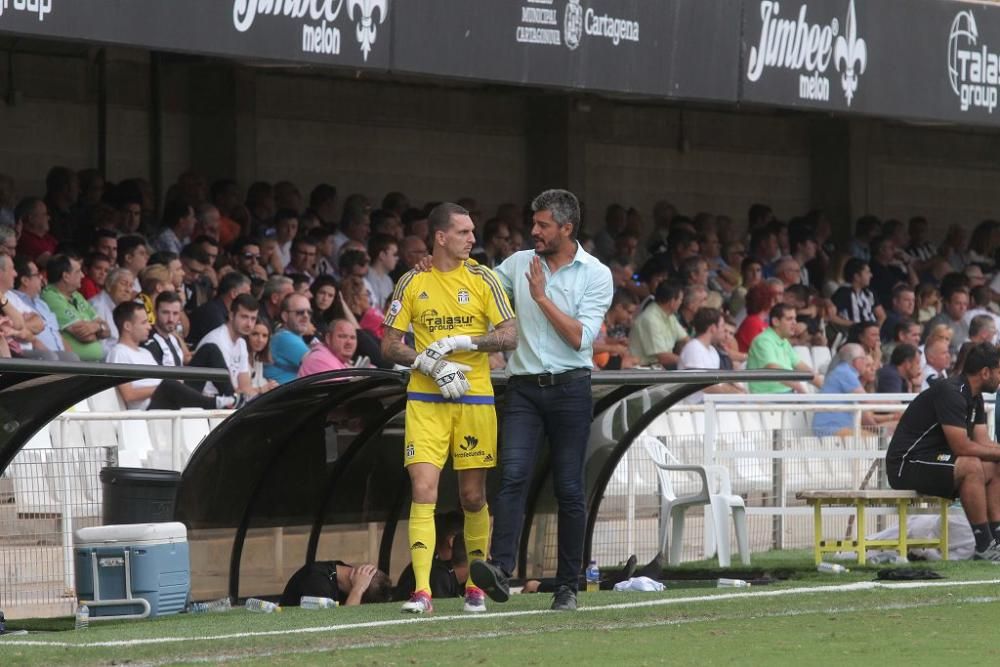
<point>771,349</point>
<point>79,324</point>
<point>656,331</point>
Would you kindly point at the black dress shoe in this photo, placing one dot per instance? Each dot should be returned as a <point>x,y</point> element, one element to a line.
<point>564,599</point>
<point>490,578</point>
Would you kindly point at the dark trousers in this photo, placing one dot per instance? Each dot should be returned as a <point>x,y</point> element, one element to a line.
<point>562,415</point>
<point>210,356</point>
<point>172,395</point>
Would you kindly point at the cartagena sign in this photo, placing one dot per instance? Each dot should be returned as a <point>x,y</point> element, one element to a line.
<point>667,48</point>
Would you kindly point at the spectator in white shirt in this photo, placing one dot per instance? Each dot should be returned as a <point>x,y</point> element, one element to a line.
<point>286,223</point>
<point>938,359</point>
<point>118,288</point>
<point>980,298</point>
<point>133,329</point>
<point>700,352</point>
<point>384,253</point>
<point>225,347</point>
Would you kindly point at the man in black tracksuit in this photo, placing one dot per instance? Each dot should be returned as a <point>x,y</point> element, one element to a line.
<point>941,447</point>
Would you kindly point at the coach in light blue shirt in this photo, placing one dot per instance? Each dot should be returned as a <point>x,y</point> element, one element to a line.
<point>561,294</point>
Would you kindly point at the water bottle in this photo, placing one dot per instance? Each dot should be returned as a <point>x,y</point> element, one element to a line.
<point>732,583</point>
<point>262,606</point>
<point>222,604</point>
<point>831,568</point>
<point>593,577</point>
<point>82,617</point>
<point>313,602</point>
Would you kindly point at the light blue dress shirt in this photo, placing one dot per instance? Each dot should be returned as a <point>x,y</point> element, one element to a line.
<point>49,336</point>
<point>582,289</point>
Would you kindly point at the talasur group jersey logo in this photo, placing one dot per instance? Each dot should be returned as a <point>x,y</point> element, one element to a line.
<point>40,8</point>
<point>540,24</point>
<point>809,48</point>
<point>320,33</point>
<point>973,70</point>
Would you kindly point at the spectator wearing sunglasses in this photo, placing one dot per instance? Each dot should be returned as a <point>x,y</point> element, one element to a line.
<point>288,346</point>
<point>246,256</point>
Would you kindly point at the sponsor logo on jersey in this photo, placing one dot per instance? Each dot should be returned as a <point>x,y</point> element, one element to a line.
<point>471,442</point>
<point>435,322</point>
<point>422,296</point>
<point>418,545</point>
<point>945,458</point>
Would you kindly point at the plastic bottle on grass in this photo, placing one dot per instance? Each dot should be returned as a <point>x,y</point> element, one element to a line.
<point>262,606</point>
<point>732,583</point>
<point>313,602</point>
<point>82,621</point>
<point>593,577</point>
<point>222,604</point>
<point>831,568</point>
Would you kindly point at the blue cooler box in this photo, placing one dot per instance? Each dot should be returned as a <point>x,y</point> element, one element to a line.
<point>132,570</point>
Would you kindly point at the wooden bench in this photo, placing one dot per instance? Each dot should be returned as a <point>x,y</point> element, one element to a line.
<point>903,500</point>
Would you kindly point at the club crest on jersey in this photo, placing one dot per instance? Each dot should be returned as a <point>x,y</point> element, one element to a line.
<point>463,296</point>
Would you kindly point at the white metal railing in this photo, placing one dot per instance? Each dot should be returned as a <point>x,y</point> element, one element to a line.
<point>786,455</point>
<point>176,418</point>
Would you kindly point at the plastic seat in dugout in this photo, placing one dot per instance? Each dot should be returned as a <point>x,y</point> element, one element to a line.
<point>715,491</point>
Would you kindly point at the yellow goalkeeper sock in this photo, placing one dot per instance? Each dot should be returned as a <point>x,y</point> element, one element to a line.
<point>422,544</point>
<point>477,534</point>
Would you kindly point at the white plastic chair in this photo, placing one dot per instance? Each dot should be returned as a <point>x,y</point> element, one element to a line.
<point>673,506</point>
<point>805,355</point>
<point>821,358</point>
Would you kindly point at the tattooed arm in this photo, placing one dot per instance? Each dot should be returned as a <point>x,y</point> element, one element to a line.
<point>395,350</point>
<point>501,339</point>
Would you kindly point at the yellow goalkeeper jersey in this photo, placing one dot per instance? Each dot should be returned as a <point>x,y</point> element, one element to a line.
<point>437,304</point>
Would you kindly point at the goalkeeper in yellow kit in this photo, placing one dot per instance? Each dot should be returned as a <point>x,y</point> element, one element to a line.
<point>449,406</point>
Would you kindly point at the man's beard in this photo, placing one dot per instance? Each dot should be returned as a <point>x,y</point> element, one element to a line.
<point>547,248</point>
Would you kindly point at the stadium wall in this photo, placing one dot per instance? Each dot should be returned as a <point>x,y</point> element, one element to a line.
<point>496,144</point>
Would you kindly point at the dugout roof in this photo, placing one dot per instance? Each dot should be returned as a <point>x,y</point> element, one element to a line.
<point>33,393</point>
<point>326,451</point>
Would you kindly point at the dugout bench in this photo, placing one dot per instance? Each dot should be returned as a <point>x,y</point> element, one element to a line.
<point>860,500</point>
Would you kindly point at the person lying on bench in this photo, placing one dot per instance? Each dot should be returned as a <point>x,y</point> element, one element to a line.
<point>941,447</point>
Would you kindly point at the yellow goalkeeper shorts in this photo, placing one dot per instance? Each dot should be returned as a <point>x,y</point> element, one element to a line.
<point>467,431</point>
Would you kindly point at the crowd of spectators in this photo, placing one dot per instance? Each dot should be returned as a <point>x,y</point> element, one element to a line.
<point>271,285</point>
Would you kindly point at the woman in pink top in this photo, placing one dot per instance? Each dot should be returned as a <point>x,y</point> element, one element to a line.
<point>356,297</point>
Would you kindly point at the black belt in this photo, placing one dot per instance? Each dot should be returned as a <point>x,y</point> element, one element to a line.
<point>551,379</point>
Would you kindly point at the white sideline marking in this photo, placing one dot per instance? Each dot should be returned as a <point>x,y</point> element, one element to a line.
<point>842,588</point>
<point>523,632</point>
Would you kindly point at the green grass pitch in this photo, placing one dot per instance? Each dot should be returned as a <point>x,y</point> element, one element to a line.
<point>806,618</point>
